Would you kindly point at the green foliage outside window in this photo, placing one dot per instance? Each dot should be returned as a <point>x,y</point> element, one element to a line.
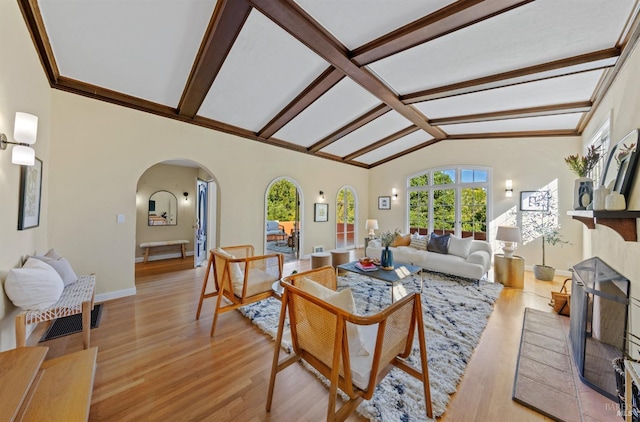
<point>281,201</point>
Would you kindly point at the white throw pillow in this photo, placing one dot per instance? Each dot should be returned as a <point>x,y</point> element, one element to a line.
<point>343,300</point>
<point>419,242</point>
<point>460,247</point>
<point>35,286</point>
<point>237,275</point>
<point>60,264</point>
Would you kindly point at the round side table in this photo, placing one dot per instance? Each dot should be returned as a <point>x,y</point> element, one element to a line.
<point>338,257</point>
<point>509,271</point>
<point>320,259</point>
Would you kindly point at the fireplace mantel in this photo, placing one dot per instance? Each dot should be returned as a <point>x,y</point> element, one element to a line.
<point>623,222</point>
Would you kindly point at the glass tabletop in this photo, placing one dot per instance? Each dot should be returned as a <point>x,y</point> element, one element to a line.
<point>399,271</point>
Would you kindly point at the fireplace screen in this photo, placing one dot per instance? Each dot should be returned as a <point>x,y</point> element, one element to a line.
<point>599,302</point>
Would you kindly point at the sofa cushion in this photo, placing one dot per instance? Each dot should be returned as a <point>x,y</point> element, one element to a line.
<point>35,286</point>
<point>419,242</point>
<point>343,300</point>
<point>460,247</point>
<point>439,244</point>
<point>402,240</point>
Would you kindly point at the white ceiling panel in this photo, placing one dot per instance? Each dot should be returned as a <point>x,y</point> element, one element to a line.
<point>265,70</point>
<point>340,105</point>
<point>409,141</point>
<point>564,89</point>
<point>126,46</point>
<point>557,122</point>
<point>374,131</point>
<point>538,32</point>
<point>356,22</point>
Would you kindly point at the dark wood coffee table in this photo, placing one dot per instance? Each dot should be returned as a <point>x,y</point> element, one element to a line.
<point>392,277</point>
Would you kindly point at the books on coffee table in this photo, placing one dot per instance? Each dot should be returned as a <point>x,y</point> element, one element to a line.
<point>366,267</point>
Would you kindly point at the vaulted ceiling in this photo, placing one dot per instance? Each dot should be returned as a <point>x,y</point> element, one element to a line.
<point>356,81</point>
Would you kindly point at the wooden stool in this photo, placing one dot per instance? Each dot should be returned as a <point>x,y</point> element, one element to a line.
<point>339,257</point>
<point>320,259</point>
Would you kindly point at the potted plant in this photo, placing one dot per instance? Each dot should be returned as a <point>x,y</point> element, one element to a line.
<point>543,224</point>
<point>583,186</point>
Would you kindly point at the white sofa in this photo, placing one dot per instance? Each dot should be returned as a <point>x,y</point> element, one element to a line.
<point>474,266</point>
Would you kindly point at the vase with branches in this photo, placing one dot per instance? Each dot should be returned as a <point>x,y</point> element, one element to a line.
<point>582,166</point>
<point>387,238</point>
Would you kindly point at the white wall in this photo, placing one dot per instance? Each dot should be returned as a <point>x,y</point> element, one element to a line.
<point>532,163</point>
<point>23,87</point>
<point>622,104</point>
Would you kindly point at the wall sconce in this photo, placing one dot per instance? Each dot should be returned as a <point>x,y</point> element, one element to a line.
<point>25,130</point>
<point>394,194</point>
<point>321,193</point>
<point>186,195</point>
<point>508,192</point>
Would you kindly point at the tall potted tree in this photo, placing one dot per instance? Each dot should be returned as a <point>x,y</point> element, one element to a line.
<point>543,224</point>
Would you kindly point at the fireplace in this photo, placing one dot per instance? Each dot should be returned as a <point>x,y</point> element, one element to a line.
<point>599,308</point>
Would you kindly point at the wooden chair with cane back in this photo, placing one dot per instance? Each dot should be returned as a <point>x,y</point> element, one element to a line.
<point>240,278</point>
<point>331,339</point>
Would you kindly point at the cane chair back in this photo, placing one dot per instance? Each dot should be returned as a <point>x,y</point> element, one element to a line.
<point>321,335</point>
<point>240,278</point>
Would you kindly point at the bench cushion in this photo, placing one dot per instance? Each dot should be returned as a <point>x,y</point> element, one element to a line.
<point>35,286</point>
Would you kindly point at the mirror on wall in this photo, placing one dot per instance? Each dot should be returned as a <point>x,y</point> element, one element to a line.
<point>163,209</point>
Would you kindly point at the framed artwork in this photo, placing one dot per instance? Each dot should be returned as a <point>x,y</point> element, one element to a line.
<point>318,249</point>
<point>537,200</point>
<point>30,195</point>
<point>621,163</point>
<point>321,212</point>
<point>384,202</point>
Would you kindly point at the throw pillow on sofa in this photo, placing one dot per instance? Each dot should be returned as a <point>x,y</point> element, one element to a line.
<point>401,240</point>
<point>439,244</point>
<point>35,286</point>
<point>419,242</point>
<point>460,247</point>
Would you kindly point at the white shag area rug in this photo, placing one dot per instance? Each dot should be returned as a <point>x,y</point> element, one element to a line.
<point>455,315</point>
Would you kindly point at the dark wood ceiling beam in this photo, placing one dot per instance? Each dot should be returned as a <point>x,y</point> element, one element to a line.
<point>33,19</point>
<point>350,127</point>
<point>507,78</point>
<point>520,134</point>
<point>451,18</point>
<point>384,141</point>
<point>405,152</point>
<point>315,90</point>
<point>576,107</point>
<point>225,25</point>
<point>290,17</point>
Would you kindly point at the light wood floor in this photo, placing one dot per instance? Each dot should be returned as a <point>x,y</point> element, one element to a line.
<point>157,363</point>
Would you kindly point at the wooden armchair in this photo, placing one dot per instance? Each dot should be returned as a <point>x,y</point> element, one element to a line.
<point>240,278</point>
<point>322,334</point>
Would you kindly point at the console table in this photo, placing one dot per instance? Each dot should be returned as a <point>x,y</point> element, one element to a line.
<point>33,389</point>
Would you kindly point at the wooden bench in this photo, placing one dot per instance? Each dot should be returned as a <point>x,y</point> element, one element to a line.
<point>148,245</point>
<point>76,298</point>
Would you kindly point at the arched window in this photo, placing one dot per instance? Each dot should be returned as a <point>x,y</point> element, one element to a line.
<point>450,199</point>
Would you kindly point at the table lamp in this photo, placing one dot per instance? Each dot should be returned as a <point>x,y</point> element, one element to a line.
<point>508,235</point>
<point>371,225</point>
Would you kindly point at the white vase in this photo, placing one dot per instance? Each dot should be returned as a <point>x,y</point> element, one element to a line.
<point>615,202</point>
<point>582,193</point>
<point>599,197</point>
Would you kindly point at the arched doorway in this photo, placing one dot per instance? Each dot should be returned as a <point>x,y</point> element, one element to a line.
<point>283,201</point>
<point>191,215</point>
<point>346,216</point>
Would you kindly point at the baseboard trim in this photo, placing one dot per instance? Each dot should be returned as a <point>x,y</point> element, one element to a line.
<point>163,256</point>
<point>103,297</point>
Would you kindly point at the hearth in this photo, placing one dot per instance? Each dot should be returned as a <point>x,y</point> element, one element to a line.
<point>599,309</point>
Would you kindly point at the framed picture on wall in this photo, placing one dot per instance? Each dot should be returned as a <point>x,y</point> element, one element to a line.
<point>536,200</point>
<point>321,212</point>
<point>384,202</point>
<point>30,195</point>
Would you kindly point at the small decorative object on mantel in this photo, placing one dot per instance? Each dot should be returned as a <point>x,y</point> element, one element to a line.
<point>615,202</point>
<point>583,186</point>
<point>386,258</point>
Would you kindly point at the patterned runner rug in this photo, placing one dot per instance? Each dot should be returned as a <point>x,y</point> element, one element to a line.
<point>455,315</point>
